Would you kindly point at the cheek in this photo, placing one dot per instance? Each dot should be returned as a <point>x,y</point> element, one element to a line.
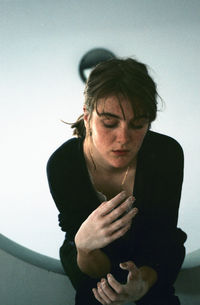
<point>102,136</point>
<point>139,137</point>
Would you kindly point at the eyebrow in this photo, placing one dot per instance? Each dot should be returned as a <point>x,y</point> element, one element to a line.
<point>110,114</point>
<point>118,117</point>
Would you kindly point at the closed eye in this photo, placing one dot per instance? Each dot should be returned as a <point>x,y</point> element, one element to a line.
<point>110,125</point>
<point>110,122</point>
<point>133,126</point>
<point>139,124</point>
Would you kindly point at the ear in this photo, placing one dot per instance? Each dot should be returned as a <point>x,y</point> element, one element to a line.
<point>86,116</point>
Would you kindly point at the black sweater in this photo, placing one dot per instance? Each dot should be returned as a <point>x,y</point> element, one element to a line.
<point>154,239</point>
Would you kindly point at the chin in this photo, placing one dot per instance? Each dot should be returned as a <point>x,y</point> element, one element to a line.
<point>120,164</point>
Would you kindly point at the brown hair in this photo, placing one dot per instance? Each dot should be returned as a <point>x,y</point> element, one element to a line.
<point>128,78</point>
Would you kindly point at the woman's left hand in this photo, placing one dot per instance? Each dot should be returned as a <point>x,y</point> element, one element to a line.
<point>110,291</point>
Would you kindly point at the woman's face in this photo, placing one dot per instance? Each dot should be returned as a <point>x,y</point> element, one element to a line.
<point>116,137</point>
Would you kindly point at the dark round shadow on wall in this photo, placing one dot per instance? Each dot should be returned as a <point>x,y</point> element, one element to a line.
<point>91,59</point>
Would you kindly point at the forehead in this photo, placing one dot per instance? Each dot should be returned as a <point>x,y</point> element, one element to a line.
<point>119,106</point>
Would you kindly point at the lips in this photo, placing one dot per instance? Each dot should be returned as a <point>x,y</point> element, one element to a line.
<point>120,152</point>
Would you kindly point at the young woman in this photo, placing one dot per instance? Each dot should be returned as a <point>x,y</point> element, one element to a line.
<point>117,186</point>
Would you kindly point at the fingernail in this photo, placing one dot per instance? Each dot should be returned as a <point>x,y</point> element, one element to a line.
<point>135,210</point>
<point>124,265</point>
<point>130,199</point>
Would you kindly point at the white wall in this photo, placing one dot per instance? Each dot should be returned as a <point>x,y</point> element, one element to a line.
<point>41,43</point>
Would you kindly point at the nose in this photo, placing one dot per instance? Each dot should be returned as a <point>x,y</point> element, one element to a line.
<point>123,135</point>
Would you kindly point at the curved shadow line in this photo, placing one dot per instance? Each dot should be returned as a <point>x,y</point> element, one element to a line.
<point>29,256</point>
<point>188,281</point>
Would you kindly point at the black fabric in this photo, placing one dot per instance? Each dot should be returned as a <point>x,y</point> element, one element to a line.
<point>154,239</point>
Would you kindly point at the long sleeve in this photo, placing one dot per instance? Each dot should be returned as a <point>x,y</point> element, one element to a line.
<point>74,197</point>
<point>159,238</point>
<point>154,239</point>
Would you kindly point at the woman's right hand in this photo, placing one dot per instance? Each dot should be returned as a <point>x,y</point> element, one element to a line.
<point>103,225</point>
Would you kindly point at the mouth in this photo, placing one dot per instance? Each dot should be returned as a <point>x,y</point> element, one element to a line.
<point>121,152</point>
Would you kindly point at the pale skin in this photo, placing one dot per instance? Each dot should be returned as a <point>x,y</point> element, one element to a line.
<point>114,144</point>
<point>110,291</point>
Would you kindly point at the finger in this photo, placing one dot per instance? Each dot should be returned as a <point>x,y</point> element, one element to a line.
<point>109,292</point>
<point>102,294</point>
<point>109,205</point>
<point>97,296</point>
<point>124,208</point>
<point>116,286</point>
<point>124,220</point>
<point>131,267</point>
<point>119,233</point>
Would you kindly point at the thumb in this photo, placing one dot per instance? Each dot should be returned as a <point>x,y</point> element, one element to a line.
<point>123,265</point>
<point>127,265</point>
<point>131,267</point>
